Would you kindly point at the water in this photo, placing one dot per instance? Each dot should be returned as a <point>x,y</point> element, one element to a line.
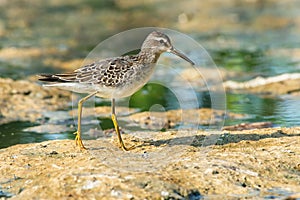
<point>278,110</point>
<point>12,133</point>
<point>281,111</point>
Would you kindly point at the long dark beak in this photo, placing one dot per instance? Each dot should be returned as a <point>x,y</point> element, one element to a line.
<point>181,55</point>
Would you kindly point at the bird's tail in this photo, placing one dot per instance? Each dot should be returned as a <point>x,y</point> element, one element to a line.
<point>57,78</point>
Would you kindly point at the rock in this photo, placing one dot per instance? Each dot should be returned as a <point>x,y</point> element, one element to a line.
<point>168,119</point>
<point>25,57</point>
<point>293,197</point>
<point>48,128</point>
<point>65,65</point>
<point>10,53</point>
<point>202,76</point>
<point>281,84</point>
<point>26,101</point>
<point>248,126</point>
<point>157,168</point>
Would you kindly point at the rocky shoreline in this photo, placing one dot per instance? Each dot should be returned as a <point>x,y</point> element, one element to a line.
<point>240,164</point>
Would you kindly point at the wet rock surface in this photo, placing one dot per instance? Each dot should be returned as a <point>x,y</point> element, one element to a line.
<point>171,118</point>
<point>247,164</point>
<point>287,83</point>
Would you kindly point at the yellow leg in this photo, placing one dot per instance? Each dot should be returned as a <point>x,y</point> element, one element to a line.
<point>114,119</point>
<point>78,139</point>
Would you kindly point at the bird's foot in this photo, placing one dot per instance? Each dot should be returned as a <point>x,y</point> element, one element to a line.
<point>127,148</point>
<point>78,140</point>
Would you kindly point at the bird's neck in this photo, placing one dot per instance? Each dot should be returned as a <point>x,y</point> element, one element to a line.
<point>148,57</point>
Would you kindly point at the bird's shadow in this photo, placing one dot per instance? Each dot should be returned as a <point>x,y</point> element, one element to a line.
<point>216,139</point>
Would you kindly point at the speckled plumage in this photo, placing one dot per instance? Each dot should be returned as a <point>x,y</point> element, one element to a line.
<point>118,73</point>
<point>115,77</point>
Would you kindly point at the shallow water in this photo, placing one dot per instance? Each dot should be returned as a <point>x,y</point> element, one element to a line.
<point>13,133</point>
<point>281,111</point>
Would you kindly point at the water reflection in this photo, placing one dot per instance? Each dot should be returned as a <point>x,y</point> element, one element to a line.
<point>12,133</point>
<point>288,111</point>
<point>280,111</point>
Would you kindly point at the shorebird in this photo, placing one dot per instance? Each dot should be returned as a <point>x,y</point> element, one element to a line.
<point>115,77</point>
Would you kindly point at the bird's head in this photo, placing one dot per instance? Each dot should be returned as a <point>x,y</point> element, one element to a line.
<point>158,43</point>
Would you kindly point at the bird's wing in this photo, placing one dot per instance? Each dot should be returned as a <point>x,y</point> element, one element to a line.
<point>107,72</point>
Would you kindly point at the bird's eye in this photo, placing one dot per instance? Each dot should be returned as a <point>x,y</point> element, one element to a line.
<point>162,41</point>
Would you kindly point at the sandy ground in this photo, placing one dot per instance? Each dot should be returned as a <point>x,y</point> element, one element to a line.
<point>162,165</point>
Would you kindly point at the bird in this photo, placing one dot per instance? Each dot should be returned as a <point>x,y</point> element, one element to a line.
<point>115,77</point>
